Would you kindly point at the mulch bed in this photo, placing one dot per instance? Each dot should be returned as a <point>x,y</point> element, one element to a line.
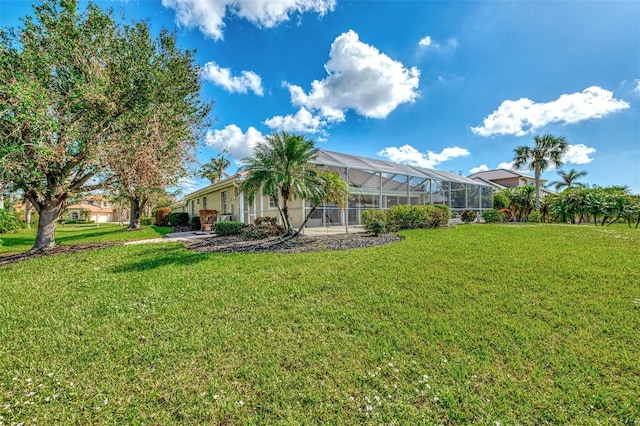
<point>301,244</point>
<point>234,244</point>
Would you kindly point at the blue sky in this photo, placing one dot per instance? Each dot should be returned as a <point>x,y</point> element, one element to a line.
<point>449,85</point>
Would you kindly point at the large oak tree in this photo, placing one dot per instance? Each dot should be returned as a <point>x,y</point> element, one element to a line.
<point>68,109</point>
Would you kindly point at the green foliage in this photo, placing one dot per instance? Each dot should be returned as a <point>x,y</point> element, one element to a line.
<point>82,93</point>
<point>214,170</point>
<point>490,216</point>
<point>375,221</point>
<point>547,151</point>
<point>195,223</point>
<point>162,216</point>
<point>406,217</point>
<point>534,217</point>
<point>468,216</point>
<point>77,221</point>
<point>8,222</point>
<point>261,231</point>
<point>500,200</point>
<point>179,219</point>
<point>148,220</point>
<point>228,227</point>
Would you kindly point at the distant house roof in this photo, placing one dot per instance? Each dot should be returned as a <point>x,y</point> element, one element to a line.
<point>89,207</point>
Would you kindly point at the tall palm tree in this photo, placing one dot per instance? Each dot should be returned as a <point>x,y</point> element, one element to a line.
<point>214,170</point>
<point>280,166</point>
<point>569,179</point>
<point>548,150</point>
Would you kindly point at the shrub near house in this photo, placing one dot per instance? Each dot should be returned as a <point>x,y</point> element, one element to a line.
<point>398,218</point>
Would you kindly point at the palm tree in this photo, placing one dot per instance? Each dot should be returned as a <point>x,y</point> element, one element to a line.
<point>334,191</point>
<point>568,179</point>
<point>214,170</point>
<point>548,150</point>
<point>280,166</point>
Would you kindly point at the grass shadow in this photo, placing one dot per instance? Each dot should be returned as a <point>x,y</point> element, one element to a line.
<point>153,258</point>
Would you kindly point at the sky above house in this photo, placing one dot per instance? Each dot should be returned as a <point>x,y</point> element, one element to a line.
<point>454,85</point>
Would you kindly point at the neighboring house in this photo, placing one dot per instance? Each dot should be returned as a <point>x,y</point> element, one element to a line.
<point>99,210</point>
<point>372,183</point>
<point>502,178</point>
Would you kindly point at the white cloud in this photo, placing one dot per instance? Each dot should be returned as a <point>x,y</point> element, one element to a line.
<point>525,116</point>
<point>507,166</point>
<point>407,154</point>
<point>303,122</point>
<point>248,80</point>
<point>481,168</point>
<point>360,78</point>
<point>238,144</point>
<point>637,88</point>
<point>208,15</point>
<point>425,42</point>
<point>578,154</point>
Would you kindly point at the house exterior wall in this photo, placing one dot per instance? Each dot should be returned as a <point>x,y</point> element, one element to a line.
<point>368,189</point>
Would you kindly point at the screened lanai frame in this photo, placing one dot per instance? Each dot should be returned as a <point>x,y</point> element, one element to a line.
<point>380,184</point>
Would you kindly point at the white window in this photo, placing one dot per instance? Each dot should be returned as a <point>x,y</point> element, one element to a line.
<point>223,202</point>
<point>204,202</point>
<point>272,202</point>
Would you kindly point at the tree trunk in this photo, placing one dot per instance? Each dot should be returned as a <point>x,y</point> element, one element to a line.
<point>27,213</point>
<point>537,178</point>
<point>137,205</point>
<point>306,219</point>
<point>49,211</point>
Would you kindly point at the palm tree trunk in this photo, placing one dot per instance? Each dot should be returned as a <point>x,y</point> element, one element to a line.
<point>537,178</point>
<point>306,219</point>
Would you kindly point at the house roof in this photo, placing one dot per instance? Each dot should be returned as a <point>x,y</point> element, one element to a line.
<point>500,174</point>
<point>337,159</point>
<point>89,207</point>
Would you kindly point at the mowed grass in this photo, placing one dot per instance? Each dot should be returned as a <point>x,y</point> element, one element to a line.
<point>22,241</point>
<point>523,324</point>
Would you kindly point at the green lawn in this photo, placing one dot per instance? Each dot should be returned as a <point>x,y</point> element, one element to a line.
<point>516,324</point>
<point>77,233</point>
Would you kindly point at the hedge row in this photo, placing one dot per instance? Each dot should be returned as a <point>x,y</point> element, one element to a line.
<point>406,217</point>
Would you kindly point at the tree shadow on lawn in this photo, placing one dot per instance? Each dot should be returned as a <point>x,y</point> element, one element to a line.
<point>159,255</point>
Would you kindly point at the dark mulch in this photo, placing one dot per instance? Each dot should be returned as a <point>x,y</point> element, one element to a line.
<point>234,244</point>
<point>301,244</point>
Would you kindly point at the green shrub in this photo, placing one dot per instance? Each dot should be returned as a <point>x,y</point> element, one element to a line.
<point>228,227</point>
<point>262,231</point>
<point>8,222</point>
<point>468,216</point>
<point>413,217</point>
<point>500,201</point>
<point>375,221</point>
<point>147,220</point>
<point>162,216</point>
<point>179,219</point>
<point>534,216</point>
<point>195,223</point>
<point>406,217</point>
<point>490,216</point>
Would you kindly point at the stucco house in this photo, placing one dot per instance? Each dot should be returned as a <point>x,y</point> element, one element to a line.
<point>502,178</point>
<point>97,208</point>
<point>373,183</point>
